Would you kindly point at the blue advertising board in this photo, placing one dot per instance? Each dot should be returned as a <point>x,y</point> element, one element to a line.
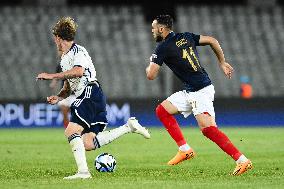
<point>45,115</point>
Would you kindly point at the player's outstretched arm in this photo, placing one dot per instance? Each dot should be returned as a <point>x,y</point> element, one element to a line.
<point>74,72</point>
<point>214,44</point>
<point>69,74</point>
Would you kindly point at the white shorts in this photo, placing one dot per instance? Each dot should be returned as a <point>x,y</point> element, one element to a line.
<point>67,101</point>
<point>194,102</point>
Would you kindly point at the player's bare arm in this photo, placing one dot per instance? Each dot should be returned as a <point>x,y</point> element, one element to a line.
<point>214,44</point>
<point>152,71</point>
<point>69,74</point>
<point>64,93</point>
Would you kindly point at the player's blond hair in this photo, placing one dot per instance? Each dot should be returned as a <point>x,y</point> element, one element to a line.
<point>65,28</point>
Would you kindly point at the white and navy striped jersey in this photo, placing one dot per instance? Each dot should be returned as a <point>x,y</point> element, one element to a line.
<point>78,56</point>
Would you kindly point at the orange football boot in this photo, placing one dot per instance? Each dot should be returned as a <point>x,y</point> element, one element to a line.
<point>181,156</point>
<point>242,168</point>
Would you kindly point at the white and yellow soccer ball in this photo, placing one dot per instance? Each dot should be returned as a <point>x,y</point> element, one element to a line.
<point>105,162</point>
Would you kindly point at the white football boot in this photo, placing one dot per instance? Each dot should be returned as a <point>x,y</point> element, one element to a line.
<point>85,175</point>
<point>137,128</point>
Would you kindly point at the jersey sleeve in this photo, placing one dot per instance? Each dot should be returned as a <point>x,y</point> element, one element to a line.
<point>159,55</point>
<point>195,38</point>
<point>80,60</point>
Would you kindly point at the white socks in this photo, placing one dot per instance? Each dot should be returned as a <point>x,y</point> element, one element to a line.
<point>242,159</point>
<point>184,147</point>
<point>106,137</point>
<point>79,153</point>
<point>101,139</point>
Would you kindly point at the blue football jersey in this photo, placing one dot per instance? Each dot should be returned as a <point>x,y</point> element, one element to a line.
<point>178,52</point>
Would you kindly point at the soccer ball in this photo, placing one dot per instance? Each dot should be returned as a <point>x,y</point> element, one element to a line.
<point>105,162</point>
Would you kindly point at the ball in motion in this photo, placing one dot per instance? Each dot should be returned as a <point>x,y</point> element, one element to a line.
<point>105,162</point>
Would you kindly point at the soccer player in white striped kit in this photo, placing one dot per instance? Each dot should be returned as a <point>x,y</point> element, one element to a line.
<point>85,130</point>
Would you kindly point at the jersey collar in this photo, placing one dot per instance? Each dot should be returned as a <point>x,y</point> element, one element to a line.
<point>72,46</point>
<point>171,34</point>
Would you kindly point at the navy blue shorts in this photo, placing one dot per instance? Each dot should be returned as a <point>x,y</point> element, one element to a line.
<point>89,109</point>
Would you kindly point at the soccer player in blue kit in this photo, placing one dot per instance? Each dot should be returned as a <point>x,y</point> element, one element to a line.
<point>178,51</point>
<point>85,130</point>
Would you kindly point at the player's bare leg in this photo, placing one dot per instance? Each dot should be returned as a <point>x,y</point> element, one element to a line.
<point>165,113</point>
<point>209,129</point>
<point>73,133</point>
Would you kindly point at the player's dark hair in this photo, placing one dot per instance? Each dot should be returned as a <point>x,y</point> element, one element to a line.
<point>165,20</point>
<point>65,28</point>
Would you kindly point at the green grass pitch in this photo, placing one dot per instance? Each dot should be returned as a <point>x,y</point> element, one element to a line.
<point>40,158</point>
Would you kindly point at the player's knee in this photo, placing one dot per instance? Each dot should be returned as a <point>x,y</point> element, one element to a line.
<point>88,146</point>
<point>88,140</point>
<point>68,132</point>
<point>205,120</point>
<point>202,127</point>
<point>73,128</point>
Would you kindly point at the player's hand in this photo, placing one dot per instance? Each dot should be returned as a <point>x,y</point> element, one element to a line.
<point>53,99</point>
<point>45,76</point>
<point>227,69</point>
